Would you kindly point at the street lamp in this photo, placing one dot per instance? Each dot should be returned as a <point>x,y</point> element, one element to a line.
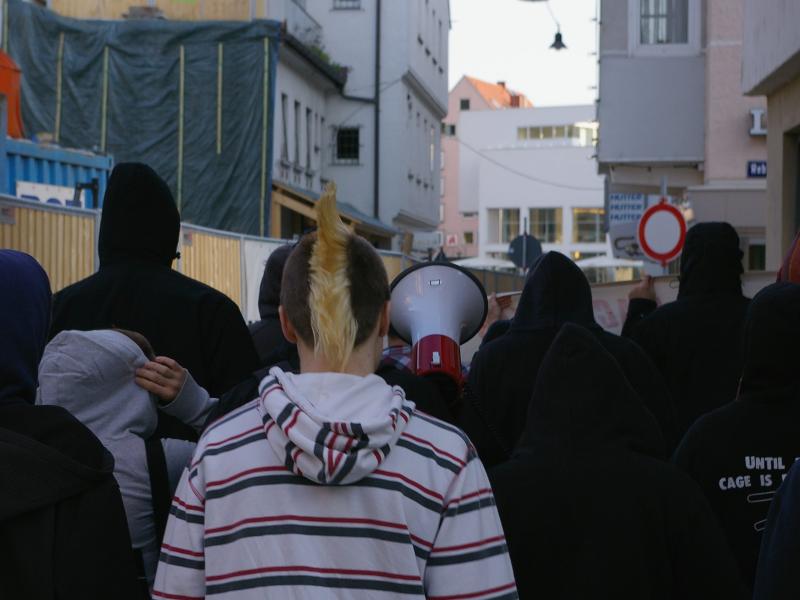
<point>558,43</point>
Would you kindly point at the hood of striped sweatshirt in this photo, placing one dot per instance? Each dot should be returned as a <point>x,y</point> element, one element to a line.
<point>332,428</point>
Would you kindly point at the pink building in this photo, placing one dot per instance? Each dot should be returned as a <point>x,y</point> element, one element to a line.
<point>460,230</point>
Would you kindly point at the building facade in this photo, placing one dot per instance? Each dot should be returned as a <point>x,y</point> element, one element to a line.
<point>388,165</point>
<point>672,112</point>
<point>360,94</point>
<point>771,67</point>
<point>534,167</point>
<point>460,230</point>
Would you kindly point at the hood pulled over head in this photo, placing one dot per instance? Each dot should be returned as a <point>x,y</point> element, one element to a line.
<point>91,374</point>
<point>583,402</point>
<point>140,220</point>
<point>711,261</point>
<point>771,333</point>
<point>269,294</point>
<point>556,292</point>
<point>332,428</point>
<point>24,324</point>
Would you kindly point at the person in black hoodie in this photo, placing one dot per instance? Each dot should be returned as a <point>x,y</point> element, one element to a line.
<point>776,576</point>
<point>63,532</point>
<point>589,508</point>
<point>136,289</point>
<point>740,452</point>
<point>503,372</point>
<point>696,341</point>
<point>268,338</point>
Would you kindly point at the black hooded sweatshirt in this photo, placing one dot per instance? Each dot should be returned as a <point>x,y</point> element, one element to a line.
<point>63,532</point>
<point>588,508</point>
<point>695,342</point>
<point>267,335</point>
<point>136,289</point>
<point>740,453</point>
<point>503,372</point>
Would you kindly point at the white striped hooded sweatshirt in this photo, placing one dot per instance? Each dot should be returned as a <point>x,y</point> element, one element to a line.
<point>333,486</point>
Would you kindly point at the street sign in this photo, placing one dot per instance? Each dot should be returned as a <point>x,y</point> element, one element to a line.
<point>662,232</point>
<point>757,168</point>
<point>524,250</point>
<point>625,208</point>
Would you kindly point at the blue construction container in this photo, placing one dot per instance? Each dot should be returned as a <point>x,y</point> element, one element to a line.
<point>24,160</point>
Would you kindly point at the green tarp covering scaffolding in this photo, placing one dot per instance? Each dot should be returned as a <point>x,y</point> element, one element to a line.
<point>192,99</point>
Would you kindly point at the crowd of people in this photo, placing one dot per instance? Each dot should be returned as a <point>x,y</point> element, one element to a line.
<point>152,445</point>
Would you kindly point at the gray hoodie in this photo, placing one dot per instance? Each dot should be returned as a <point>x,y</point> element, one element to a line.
<point>91,374</point>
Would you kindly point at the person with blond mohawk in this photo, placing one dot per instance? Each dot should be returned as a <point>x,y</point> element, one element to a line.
<point>332,484</point>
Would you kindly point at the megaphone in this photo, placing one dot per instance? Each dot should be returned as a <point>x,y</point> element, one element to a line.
<point>436,307</point>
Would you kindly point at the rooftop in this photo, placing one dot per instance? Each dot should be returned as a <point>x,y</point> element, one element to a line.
<point>498,95</point>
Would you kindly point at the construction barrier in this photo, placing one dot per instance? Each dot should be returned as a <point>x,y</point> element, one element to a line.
<point>63,240</point>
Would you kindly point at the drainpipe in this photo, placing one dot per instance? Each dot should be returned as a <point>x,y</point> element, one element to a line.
<point>376,209</point>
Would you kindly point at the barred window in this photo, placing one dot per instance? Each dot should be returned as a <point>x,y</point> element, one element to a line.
<point>348,146</point>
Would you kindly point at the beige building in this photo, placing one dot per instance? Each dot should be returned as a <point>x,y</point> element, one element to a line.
<point>771,67</point>
<point>460,229</point>
<point>671,107</point>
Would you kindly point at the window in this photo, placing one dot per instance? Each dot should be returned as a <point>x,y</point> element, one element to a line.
<point>464,104</point>
<point>441,39</point>
<point>441,186</point>
<point>559,132</point>
<point>587,225</point>
<point>503,225</point>
<point>284,128</point>
<point>663,22</point>
<point>309,133</point>
<point>545,225</point>
<point>756,257</point>
<point>346,4</point>
<point>432,148</point>
<point>522,133</point>
<point>347,146</point>
<point>449,130</point>
<point>441,212</point>
<point>469,237</point>
<point>297,134</point>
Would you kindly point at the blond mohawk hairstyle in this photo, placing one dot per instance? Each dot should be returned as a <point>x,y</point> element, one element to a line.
<point>332,321</point>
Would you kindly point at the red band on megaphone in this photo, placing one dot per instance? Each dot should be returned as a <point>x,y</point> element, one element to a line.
<point>437,354</point>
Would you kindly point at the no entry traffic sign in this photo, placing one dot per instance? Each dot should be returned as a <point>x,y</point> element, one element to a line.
<point>662,232</point>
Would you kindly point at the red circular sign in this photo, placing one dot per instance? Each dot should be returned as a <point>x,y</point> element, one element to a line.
<point>664,212</point>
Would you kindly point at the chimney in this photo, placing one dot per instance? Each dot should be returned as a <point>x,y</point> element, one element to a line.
<point>502,84</point>
<point>514,100</point>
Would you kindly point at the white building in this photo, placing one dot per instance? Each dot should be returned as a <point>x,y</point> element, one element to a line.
<point>533,165</point>
<point>382,143</point>
<point>309,83</point>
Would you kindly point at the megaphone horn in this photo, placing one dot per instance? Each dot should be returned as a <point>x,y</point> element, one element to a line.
<point>436,307</point>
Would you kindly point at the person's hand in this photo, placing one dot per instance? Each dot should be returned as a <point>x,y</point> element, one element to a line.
<point>492,314</point>
<point>162,377</point>
<point>644,290</point>
<point>506,307</point>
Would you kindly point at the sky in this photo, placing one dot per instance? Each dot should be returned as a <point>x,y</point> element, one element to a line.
<point>509,40</point>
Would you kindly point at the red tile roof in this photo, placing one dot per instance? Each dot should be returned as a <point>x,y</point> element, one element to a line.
<point>497,95</point>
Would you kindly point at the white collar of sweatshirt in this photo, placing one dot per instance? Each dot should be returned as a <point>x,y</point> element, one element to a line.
<point>332,428</point>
